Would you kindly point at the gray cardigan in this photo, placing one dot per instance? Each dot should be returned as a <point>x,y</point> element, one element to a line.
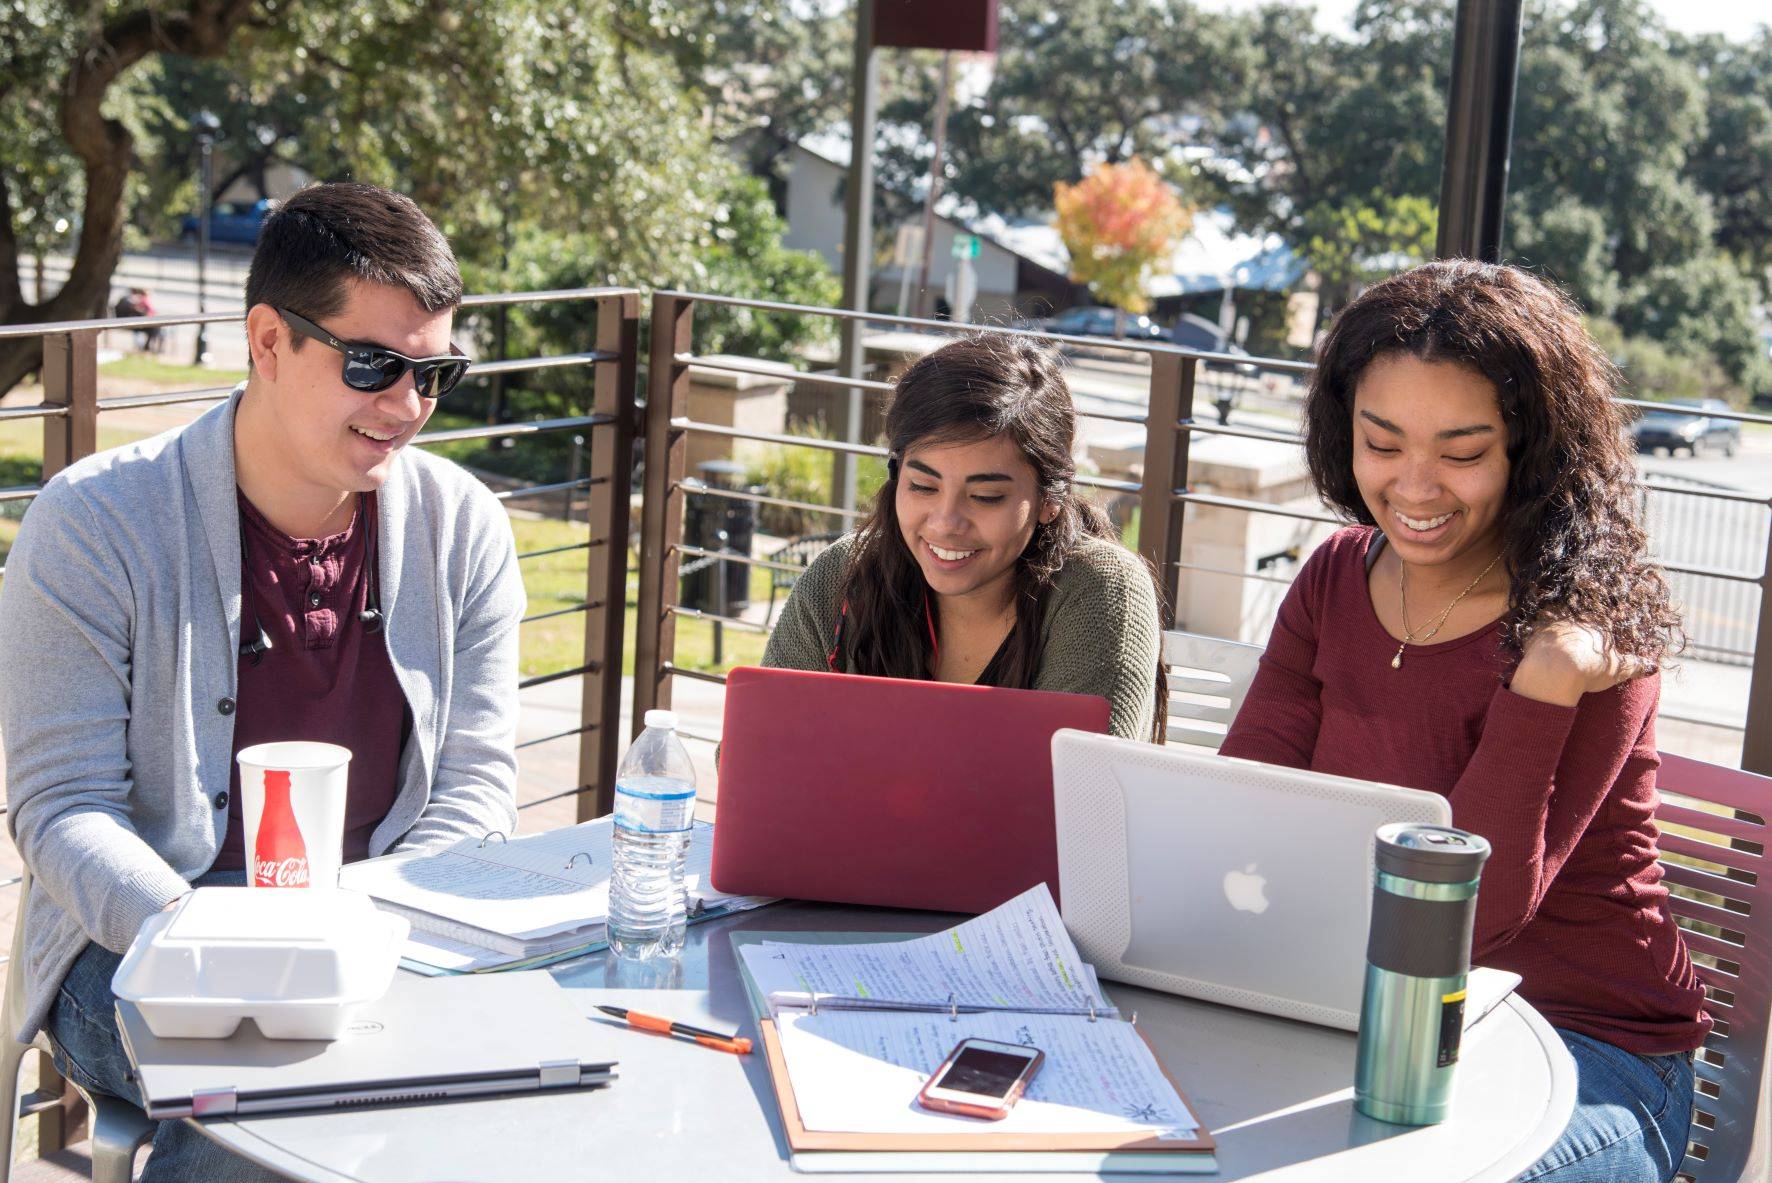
<point>119,641</point>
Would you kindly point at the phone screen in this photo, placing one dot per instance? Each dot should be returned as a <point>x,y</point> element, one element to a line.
<point>985,1072</point>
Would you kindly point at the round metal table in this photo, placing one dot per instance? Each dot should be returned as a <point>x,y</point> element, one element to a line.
<point>1276,1094</point>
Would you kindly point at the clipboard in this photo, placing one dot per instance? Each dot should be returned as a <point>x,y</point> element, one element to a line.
<point>828,1150</point>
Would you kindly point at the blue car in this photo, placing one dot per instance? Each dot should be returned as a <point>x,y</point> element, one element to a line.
<point>231,221</point>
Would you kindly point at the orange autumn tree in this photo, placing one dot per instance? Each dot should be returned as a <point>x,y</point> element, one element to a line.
<point>1119,223</point>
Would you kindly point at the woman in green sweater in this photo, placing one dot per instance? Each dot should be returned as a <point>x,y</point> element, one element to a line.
<point>979,562</point>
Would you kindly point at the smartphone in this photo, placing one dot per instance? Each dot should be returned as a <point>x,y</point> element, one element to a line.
<point>981,1078</point>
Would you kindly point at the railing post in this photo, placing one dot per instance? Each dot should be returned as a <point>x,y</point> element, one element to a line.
<point>614,385</point>
<point>661,513</point>
<point>1165,470</point>
<point>70,379</point>
<point>1756,741</point>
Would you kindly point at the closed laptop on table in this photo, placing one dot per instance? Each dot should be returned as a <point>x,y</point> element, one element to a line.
<point>426,1039</point>
<point>888,791</point>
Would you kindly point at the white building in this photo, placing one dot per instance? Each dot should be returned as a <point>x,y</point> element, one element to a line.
<point>1018,270</point>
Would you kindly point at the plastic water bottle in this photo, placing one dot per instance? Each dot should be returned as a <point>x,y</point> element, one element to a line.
<point>654,808</point>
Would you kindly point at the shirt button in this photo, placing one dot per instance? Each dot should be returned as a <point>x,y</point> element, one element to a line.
<point>221,800</point>
<point>225,706</point>
<point>314,599</point>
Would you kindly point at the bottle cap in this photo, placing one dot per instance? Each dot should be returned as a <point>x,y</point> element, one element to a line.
<point>1430,854</point>
<point>663,719</point>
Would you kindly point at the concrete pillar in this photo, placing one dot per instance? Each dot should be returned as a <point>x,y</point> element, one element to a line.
<point>1239,540</point>
<point>751,402</point>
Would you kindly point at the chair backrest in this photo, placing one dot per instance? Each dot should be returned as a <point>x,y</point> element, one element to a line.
<point>1713,846</point>
<point>1208,678</point>
<point>12,1005</point>
<point>799,551</point>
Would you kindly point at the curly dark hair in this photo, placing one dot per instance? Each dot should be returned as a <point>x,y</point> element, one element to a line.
<point>1571,540</point>
<point>972,388</point>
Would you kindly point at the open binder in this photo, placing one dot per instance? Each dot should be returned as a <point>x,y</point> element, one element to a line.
<point>858,1057</point>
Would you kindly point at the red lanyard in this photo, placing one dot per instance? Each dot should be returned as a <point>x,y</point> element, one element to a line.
<point>843,615</point>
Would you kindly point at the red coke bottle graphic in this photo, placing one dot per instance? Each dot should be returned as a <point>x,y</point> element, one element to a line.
<point>280,858</point>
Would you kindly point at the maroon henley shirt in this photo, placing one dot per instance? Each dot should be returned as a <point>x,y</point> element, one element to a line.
<point>1571,898</point>
<point>327,677</point>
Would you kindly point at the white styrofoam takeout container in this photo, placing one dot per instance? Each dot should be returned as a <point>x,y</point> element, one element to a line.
<point>296,962</point>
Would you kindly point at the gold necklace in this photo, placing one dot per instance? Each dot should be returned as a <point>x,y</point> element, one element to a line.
<point>1428,635</point>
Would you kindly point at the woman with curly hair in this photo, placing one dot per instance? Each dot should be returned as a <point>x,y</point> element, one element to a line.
<point>980,563</point>
<point>1492,630</point>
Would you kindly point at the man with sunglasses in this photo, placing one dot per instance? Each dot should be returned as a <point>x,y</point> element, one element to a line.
<point>284,567</point>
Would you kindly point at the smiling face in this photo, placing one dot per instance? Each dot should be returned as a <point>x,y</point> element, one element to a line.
<point>967,512</point>
<point>1430,459</point>
<point>333,439</point>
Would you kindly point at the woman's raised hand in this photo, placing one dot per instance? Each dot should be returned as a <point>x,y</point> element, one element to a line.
<point>1564,661</point>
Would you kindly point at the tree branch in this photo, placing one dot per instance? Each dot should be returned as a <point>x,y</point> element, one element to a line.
<point>105,146</point>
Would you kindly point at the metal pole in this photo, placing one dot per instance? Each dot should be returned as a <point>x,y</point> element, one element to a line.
<point>926,300</point>
<point>1166,446</point>
<point>1756,741</point>
<point>661,508</point>
<point>858,247</point>
<point>1479,128</point>
<point>607,506</point>
<point>207,125</point>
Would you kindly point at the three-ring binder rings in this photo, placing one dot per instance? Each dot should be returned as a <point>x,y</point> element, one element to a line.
<point>497,902</point>
<point>852,1029</point>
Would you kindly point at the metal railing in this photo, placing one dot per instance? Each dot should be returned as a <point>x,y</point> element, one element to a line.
<point>1163,493</point>
<point>70,415</point>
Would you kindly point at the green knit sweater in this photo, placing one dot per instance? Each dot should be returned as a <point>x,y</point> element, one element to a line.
<point>1099,634</point>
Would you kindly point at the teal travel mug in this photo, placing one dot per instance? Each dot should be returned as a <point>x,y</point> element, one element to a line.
<point>1418,956</point>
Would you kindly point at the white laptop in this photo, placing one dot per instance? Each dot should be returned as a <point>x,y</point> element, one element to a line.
<point>1237,882</point>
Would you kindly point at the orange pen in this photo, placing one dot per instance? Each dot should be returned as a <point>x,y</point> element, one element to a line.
<point>736,1044</point>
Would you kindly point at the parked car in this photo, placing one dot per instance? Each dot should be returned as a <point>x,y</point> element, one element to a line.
<point>231,221</point>
<point>1099,322</point>
<point>1196,332</point>
<point>1677,430</point>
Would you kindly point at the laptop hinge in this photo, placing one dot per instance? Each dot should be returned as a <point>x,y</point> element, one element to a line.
<point>558,1073</point>
<point>212,1102</point>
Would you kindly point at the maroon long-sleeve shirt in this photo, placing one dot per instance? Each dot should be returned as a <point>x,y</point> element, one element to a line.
<point>1571,898</point>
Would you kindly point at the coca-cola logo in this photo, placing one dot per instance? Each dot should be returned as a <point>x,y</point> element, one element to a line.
<point>289,872</point>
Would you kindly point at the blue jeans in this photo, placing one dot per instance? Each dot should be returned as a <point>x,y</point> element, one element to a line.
<point>1632,1116</point>
<point>82,1028</point>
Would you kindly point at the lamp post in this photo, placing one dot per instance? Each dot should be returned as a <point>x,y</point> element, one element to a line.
<point>206,126</point>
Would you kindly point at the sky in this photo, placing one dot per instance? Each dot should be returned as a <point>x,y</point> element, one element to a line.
<point>1735,19</point>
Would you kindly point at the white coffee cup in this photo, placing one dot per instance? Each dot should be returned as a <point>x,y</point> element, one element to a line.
<point>304,845</point>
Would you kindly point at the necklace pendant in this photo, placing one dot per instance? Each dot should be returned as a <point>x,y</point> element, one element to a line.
<point>1397,661</point>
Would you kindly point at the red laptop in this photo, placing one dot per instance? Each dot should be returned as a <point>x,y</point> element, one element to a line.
<point>888,791</point>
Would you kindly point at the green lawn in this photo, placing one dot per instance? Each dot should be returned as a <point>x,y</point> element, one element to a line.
<point>558,581</point>
<point>148,368</point>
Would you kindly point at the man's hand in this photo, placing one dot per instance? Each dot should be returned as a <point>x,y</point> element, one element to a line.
<point>1564,661</point>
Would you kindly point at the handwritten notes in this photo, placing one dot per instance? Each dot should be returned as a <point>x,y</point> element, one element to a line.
<point>1017,956</point>
<point>860,1071</point>
<point>880,1027</point>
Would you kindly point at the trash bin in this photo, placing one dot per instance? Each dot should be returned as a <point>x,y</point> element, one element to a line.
<point>718,523</point>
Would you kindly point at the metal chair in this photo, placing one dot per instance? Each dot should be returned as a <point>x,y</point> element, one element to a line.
<point>118,1128</point>
<point>1208,679</point>
<point>1713,844</point>
<point>799,551</point>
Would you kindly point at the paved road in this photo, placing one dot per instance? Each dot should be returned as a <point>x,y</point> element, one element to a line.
<point>170,276</point>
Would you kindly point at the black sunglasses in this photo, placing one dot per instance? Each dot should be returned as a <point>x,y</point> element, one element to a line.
<point>371,368</point>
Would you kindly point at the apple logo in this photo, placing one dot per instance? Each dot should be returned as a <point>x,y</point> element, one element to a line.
<point>1246,890</point>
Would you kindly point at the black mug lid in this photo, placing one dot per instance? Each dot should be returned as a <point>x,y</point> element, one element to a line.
<point>1430,854</point>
